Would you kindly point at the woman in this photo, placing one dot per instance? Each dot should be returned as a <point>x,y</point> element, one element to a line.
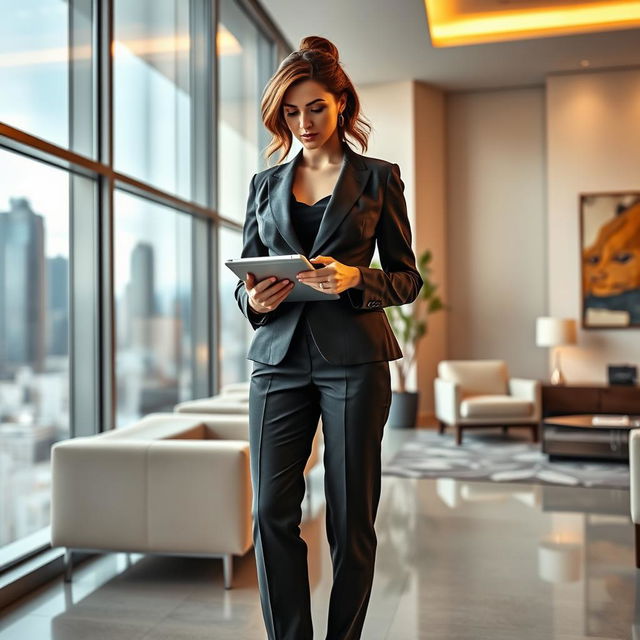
<point>326,358</point>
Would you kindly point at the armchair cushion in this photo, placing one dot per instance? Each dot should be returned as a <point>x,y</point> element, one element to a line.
<point>498,406</point>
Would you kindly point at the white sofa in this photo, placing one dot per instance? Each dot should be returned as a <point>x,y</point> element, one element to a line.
<point>233,399</point>
<point>634,486</point>
<point>480,393</point>
<point>176,484</point>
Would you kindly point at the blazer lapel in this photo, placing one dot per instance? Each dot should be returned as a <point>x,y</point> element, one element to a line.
<point>351,182</point>
<point>280,183</point>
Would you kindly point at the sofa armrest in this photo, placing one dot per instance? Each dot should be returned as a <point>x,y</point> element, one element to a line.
<point>634,471</point>
<point>447,400</point>
<point>199,496</point>
<point>530,390</point>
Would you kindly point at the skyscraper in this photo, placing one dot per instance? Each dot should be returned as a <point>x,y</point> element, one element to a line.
<point>22,288</point>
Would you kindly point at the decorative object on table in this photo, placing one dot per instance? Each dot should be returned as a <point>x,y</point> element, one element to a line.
<point>610,246</point>
<point>622,374</point>
<point>555,333</point>
<point>487,457</point>
<point>409,327</point>
<point>615,421</point>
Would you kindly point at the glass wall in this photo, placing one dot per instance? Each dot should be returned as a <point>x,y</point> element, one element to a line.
<point>34,345</point>
<point>153,307</point>
<point>245,64</point>
<point>152,93</point>
<point>235,332</point>
<point>108,220</point>
<point>44,46</point>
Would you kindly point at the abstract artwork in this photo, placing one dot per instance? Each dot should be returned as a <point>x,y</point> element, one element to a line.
<point>610,259</point>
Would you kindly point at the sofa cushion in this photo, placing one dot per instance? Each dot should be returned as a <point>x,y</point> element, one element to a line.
<point>158,427</point>
<point>488,406</point>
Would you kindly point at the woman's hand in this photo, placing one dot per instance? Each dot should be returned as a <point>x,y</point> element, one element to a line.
<point>267,294</point>
<point>334,277</point>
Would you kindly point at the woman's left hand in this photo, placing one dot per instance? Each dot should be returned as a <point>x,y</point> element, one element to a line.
<point>334,277</point>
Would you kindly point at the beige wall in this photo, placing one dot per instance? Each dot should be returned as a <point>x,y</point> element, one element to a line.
<point>430,228</point>
<point>496,226</point>
<point>593,145</point>
<point>492,180</point>
<point>408,129</point>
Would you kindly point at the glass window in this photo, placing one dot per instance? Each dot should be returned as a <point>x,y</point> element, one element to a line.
<point>152,93</point>
<point>244,67</point>
<point>235,330</point>
<point>152,284</point>
<point>34,346</point>
<point>45,47</point>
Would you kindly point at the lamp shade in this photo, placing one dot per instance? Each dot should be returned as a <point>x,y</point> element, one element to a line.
<point>554,332</point>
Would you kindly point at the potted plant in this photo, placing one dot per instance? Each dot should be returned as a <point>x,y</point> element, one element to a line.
<point>409,328</point>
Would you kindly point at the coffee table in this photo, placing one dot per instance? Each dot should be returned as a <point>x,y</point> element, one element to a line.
<point>576,437</point>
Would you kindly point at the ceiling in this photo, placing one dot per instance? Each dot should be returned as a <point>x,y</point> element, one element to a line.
<point>387,41</point>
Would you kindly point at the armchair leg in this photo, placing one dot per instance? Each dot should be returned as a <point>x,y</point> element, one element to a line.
<point>441,427</point>
<point>458,434</point>
<point>505,430</point>
<point>535,433</point>
<point>68,565</point>
<point>227,566</point>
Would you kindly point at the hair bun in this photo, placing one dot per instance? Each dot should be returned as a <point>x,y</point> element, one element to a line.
<point>317,43</point>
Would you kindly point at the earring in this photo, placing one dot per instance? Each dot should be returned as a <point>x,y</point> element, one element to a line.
<point>341,120</point>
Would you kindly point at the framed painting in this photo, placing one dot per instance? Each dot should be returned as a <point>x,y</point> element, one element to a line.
<point>610,260</point>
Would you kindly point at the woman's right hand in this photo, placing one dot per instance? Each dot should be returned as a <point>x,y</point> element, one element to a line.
<point>267,294</point>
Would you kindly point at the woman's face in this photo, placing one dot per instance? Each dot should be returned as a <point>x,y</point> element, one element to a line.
<point>309,108</point>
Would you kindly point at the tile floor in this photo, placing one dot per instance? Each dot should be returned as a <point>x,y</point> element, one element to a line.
<point>456,561</point>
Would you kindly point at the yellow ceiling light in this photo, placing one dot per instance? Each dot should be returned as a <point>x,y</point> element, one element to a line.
<point>450,25</point>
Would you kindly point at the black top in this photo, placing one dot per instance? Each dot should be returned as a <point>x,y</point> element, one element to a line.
<point>306,220</point>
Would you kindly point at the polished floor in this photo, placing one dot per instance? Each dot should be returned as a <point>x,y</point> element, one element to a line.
<point>456,561</point>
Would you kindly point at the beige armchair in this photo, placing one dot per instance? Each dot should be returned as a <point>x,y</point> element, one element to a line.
<point>479,393</point>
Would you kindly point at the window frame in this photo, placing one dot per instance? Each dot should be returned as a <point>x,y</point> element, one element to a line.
<point>92,352</point>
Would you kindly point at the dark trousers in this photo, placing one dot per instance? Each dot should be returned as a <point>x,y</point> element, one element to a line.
<point>286,401</point>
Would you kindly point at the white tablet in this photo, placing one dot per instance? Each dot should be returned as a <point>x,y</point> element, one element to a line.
<point>281,267</point>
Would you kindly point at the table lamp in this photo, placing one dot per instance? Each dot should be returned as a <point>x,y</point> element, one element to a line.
<point>555,332</point>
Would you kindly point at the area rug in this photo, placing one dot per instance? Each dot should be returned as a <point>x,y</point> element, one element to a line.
<point>497,458</point>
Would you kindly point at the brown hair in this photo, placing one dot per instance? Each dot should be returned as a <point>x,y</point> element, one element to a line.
<point>316,59</point>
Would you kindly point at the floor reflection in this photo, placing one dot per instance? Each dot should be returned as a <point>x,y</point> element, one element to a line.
<point>456,560</point>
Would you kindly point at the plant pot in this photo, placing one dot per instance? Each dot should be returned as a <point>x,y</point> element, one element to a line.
<point>404,410</point>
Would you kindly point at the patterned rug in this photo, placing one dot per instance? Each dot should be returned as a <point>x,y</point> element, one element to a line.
<point>498,458</point>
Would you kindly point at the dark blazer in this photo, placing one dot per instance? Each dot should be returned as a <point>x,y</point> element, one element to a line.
<point>367,206</point>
